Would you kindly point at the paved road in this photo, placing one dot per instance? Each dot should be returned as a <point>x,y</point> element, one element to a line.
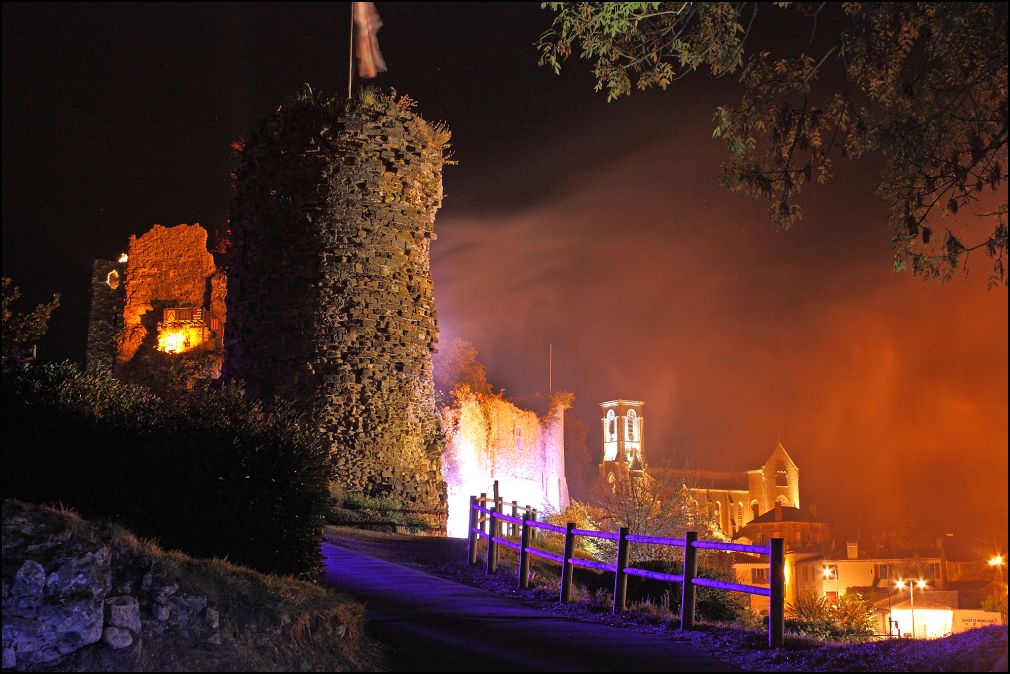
<point>433,624</point>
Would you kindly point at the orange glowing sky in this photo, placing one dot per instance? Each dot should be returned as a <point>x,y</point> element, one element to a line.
<point>597,227</point>
<point>654,284</point>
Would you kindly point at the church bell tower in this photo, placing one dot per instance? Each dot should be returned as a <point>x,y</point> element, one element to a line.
<point>623,436</point>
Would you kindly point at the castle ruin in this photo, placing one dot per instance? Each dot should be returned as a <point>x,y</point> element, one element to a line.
<point>330,298</point>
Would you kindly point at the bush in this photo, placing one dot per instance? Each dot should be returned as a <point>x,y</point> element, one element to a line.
<point>712,604</point>
<point>815,616</point>
<point>209,472</point>
<point>372,513</point>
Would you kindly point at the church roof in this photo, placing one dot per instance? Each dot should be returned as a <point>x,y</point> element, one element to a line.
<point>941,600</point>
<point>703,479</point>
<point>789,514</point>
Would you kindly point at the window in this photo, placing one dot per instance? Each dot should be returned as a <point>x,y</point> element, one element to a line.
<point>932,570</point>
<point>630,422</point>
<point>781,474</point>
<point>759,576</point>
<point>611,426</point>
<point>754,510</point>
<point>884,571</point>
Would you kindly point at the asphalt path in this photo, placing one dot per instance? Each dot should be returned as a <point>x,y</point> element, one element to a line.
<point>429,624</point>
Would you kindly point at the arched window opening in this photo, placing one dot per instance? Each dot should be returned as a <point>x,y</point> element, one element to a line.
<point>781,474</point>
<point>782,501</point>
<point>755,510</point>
<point>611,426</point>
<point>630,421</point>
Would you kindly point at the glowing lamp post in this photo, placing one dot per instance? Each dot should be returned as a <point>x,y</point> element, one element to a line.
<point>921,584</point>
<point>998,562</point>
<point>831,572</point>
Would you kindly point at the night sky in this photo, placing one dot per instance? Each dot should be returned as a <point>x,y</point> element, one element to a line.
<point>600,228</point>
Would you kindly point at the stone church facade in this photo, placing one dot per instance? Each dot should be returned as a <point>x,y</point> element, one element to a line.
<point>730,498</point>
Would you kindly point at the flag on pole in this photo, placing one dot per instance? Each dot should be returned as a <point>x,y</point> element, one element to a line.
<point>368,23</point>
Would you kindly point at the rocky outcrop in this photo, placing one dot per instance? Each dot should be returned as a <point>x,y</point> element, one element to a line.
<point>78,596</point>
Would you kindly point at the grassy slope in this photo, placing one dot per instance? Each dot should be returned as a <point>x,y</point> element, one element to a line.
<point>270,623</point>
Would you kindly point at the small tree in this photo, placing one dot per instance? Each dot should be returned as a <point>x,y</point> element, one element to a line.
<point>456,365</point>
<point>22,330</point>
<point>634,499</point>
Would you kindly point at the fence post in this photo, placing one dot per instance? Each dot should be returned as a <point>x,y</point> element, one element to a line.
<point>533,534</point>
<point>620,577</point>
<point>496,524</point>
<point>777,599</point>
<point>524,555</point>
<point>471,534</point>
<point>566,566</point>
<point>688,591</point>
<point>515,513</point>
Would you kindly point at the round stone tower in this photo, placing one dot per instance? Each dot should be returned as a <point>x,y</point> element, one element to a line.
<point>330,298</point>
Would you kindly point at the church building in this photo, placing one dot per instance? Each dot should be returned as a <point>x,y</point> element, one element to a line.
<point>732,498</point>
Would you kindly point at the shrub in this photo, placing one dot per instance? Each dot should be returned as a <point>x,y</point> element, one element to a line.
<point>712,604</point>
<point>373,513</point>
<point>815,616</point>
<point>209,472</point>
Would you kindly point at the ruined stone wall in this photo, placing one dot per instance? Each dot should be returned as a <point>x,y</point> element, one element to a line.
<point>330,300</point>
<point>166,267</point>
<point>488,439</point>
<point>105,321</point>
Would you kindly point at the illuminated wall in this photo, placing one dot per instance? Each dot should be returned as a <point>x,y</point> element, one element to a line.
<point>930,623</point>
<point>488,439</point>
<point>163,269</point>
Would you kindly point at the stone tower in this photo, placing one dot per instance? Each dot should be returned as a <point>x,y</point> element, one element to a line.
<point>623,437</point>
<point>330,299</point>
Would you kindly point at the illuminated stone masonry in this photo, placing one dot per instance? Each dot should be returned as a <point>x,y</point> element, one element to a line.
<point>164,297</point>
<point>330,302</point>
<point>491,439</point>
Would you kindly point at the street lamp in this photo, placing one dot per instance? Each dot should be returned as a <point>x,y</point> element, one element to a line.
<point>831,572</point>
<point>921,584</point>
<point>998,562</point>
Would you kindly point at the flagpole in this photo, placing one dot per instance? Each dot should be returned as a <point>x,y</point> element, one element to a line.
<point>350,54</point>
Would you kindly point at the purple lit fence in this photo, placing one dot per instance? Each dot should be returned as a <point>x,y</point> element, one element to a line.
<point>487,521</point>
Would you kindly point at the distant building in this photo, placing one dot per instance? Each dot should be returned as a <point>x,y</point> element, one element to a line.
<point>735,498</point>
<point>623,430</point>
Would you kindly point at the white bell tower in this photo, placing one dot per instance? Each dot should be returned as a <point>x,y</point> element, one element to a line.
<point>623,434</point>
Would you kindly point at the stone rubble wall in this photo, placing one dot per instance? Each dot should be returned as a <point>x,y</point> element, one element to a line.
<point>331,299</point>
<point>68,591</point>
<point>79,596</point>
<point>166,267</point>
<point>488,439</point>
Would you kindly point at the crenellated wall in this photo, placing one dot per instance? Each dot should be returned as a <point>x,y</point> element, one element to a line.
<point>330,297</point>
<point>488,439</point>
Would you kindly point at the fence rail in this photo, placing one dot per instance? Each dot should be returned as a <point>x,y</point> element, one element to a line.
<point>526,526</point>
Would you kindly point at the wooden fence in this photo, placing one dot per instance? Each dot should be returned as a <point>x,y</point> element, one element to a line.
<point>487,521</point>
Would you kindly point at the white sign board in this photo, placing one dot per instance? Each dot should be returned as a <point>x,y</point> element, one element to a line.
<point>966,620</point>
